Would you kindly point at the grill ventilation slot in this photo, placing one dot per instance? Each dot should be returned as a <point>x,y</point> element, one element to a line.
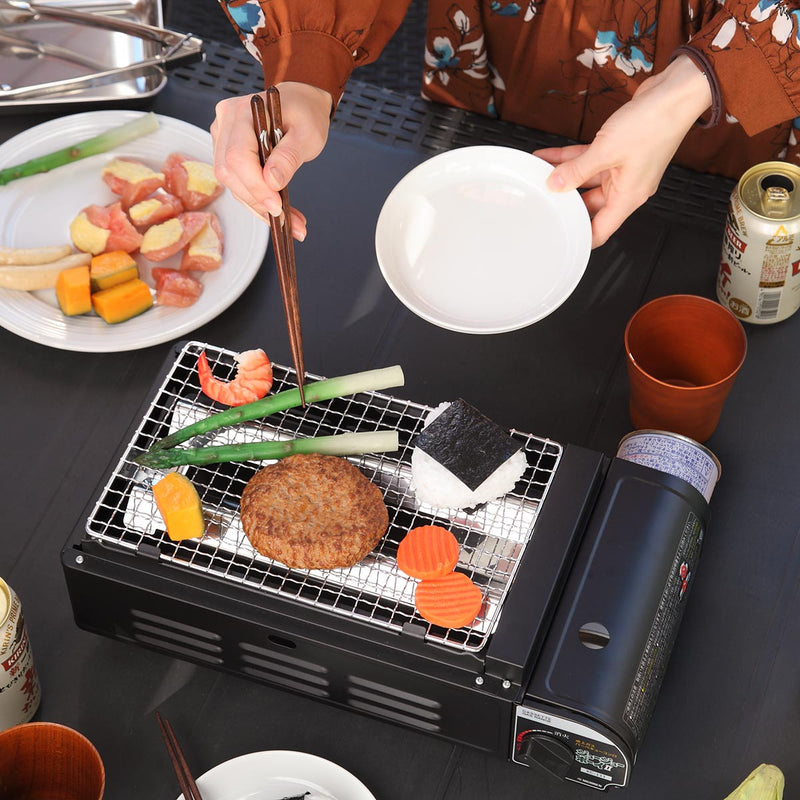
<point>285,670</point>
<point>395,704</point>
<point>186,641</point>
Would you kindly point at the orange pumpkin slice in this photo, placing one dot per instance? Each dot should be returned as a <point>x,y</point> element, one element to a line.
<point>73,291</point>
<point>180,506</point>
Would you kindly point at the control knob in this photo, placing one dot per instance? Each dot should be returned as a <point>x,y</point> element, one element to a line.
<point>546,751</point>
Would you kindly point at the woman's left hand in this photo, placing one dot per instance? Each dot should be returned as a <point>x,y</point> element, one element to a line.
<point>623,165</point>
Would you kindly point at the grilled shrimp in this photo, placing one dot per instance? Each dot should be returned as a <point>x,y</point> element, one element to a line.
<point>252,382</point>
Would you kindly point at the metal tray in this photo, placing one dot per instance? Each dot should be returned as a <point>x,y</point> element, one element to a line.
<point>38,51</point>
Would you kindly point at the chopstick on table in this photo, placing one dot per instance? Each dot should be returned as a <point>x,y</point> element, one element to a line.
<point>184,776</point>
<point>268,125</point>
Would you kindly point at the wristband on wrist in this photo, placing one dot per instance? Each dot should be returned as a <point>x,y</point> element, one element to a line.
<point>702,62</point>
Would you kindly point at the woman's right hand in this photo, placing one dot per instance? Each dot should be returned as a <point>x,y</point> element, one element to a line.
<point>306,114</point>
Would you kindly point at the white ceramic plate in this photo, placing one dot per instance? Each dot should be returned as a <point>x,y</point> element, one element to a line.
<point>274,774</point>
<point>36,211</point>
<point>473,241</point>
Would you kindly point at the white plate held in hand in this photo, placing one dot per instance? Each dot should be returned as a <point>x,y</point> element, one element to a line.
<point>472,240</point>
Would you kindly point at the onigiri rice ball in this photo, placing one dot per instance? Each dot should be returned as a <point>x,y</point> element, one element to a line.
<point>465,460</point>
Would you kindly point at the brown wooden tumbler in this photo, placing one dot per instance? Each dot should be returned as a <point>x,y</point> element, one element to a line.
<point>683,354</point>
<point>47,761</point>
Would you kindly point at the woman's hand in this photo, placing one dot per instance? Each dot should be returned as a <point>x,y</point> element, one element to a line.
<point>623,166</point>
<point>306,117</point>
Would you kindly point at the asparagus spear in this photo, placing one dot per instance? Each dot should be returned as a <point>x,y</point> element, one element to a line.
<point>342,444</point>
<point>371,380</point>
<point>101,143</point>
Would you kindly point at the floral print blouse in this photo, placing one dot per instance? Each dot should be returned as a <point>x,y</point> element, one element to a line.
<point>561,66</point>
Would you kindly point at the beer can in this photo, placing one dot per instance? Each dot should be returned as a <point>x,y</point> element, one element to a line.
<point>675,454</point>
<point>20,691</point>
<point>759,271</point>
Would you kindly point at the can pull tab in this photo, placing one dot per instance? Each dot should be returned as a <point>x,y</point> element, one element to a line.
<point>776,195</point>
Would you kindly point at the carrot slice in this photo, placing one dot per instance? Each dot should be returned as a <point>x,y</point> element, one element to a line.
<point>451,601</point>
<point>429,551</point>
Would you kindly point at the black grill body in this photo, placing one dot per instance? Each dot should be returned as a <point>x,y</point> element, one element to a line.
<point>567,677</point>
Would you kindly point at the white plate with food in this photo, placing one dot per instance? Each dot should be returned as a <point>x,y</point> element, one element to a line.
<point>472,240</point>
<point>278,774</point>
<point>36,212</point>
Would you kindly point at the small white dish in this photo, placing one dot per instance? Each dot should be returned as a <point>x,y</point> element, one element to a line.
<point>275,774</point>
<point>36,211</point>
<point>473,241</point>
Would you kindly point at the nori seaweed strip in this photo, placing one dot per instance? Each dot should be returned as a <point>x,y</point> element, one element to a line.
<point>467,443</point>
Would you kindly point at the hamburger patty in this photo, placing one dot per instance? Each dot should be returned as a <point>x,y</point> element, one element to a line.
<point>313,512</point>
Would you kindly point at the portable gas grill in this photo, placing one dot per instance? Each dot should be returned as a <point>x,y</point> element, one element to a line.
<point>584,568</point>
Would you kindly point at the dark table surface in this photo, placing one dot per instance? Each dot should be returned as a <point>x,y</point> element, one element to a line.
<point>730,697</point>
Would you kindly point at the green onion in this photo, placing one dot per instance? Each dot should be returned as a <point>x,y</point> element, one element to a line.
<point>369,381</point>
<point>101,143</point>
<point>343,444</point>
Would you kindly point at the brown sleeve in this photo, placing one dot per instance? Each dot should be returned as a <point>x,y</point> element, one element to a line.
<point>318,42</point>
<point>754,51</point>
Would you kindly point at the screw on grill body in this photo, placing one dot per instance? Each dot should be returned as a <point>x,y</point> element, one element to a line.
<point>79,559</point>
<point>479,680</point>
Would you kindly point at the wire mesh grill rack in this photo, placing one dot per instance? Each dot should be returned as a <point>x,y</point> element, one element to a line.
<point>492,537</point>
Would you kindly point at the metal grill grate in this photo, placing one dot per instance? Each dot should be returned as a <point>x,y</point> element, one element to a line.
<point>491,537</point>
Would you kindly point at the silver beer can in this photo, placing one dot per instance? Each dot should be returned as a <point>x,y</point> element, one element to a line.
<point>20,691</point>
<point>759,271</point>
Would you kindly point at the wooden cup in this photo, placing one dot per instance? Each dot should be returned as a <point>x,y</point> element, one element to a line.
<point>683,355</point>
<point>47,761</point>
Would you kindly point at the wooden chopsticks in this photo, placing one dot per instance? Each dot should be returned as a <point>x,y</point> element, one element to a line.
<point>185,779</point>
<point>268,125</point>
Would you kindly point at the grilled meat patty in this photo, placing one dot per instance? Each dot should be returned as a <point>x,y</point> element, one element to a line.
<point>313,512</point>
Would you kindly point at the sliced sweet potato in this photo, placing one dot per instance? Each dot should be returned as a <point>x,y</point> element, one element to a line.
<point>100,229</point>
<point>131,179</point>
<point>204,251</point>
<point>192,181</point>
<point>167,238</point>
<point>160,206</point>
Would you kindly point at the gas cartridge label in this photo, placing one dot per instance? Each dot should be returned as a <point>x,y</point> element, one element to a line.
<point>664,631</point>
